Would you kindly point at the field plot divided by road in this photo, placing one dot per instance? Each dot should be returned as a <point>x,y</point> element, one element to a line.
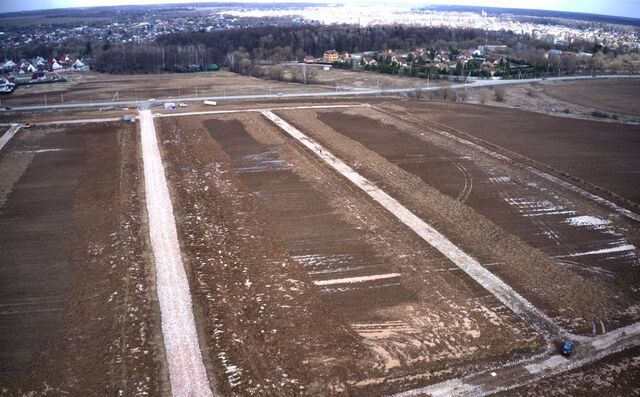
<point>390,298</point>
<point>301,281</point>
<point>540,244</point>
<point>75,301</point>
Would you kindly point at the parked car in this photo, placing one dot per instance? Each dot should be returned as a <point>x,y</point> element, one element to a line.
<point>567,348</point>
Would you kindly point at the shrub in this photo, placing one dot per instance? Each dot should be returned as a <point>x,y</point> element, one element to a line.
<point>445,93</point>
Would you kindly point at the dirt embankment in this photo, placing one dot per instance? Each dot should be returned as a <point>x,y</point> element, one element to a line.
<point>106,339</point>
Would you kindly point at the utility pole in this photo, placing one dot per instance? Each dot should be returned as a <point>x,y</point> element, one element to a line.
<point>61,98</point>
<point>45,100</point>
<point>196,91</point>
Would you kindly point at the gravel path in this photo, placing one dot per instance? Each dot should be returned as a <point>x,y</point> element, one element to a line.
<point>8,135</point>
<point>186,369</point>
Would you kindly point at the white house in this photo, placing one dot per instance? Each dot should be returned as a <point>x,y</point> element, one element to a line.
<point>79,65</point>
<point>9,65</point>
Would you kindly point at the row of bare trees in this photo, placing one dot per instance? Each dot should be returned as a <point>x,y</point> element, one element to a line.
<point>153,58</point>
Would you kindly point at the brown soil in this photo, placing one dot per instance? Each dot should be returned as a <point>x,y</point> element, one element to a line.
<point>76,287</point>
<point>601,153</point>
<point>279,230</point>
<point>495,192</point>
<point>509,257</point>
<point>617,96</point>
<point>263,224</point>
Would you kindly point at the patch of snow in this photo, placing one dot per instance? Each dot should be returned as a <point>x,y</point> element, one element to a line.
<point>587,220</point>
<point>620,248</point>
<point>351,280</point>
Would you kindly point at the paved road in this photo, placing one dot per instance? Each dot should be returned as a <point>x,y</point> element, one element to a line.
<point>146,104</point>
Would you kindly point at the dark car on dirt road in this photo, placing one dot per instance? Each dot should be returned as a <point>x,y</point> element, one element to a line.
<point>567,348</point>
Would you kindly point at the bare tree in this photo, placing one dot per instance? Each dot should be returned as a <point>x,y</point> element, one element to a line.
<point>444,93</point>
<point>308,74</point>
<point>232,61</point>
<point>304,74</point>
<point>276,72</point>
<point>245,66</point>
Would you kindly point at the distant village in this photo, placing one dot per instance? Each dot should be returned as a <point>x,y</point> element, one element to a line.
<point>484,61</point>
<point>38,70</point>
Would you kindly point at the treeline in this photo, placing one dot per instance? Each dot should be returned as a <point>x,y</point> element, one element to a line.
<point>239,49</point>
<point>292,43</point>
<point>154,58</point>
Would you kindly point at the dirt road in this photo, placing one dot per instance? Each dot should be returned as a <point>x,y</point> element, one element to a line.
<point>186,369</point>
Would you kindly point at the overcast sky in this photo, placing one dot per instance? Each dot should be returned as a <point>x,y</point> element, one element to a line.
<point>627,8</point>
